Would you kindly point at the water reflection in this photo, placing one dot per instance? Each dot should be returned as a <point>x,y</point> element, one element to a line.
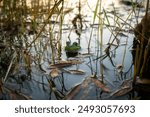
<point>111,61</point>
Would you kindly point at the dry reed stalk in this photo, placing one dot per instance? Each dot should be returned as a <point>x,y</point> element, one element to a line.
<point>52,10</point>
<point>142,50</point>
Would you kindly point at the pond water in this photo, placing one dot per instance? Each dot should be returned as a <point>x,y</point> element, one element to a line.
<point>113,68</point>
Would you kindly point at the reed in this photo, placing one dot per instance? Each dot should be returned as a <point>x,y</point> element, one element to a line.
<point>94,18</point>
<point>51,12</point>
<point>33,35</point>
<point>101,41</point>
<point>142,50</point>
<point>61,19</point>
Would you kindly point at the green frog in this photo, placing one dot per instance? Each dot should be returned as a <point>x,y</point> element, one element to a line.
<point>71,48</point>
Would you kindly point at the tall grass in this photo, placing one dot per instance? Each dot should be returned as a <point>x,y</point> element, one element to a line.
<point>18,20</point>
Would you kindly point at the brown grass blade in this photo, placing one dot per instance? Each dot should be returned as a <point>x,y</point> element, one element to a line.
<point>100,85</point>
<point>54,73</point>
<point>73,92</point>
<point>62,64</point>
<point>77,72</point>
<point>122,91</point>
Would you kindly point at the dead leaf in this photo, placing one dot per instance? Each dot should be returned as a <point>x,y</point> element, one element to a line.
<point>122,91</point>
<point>143,81</point>
<point>127,83</point>
<point>73,92</point>
<point>62,64</point>
<point>86,83</point>
<point>85,86</point>
<point>77,72</point>
<point>66,11</point>
<point>99,84</point>
<point>54,73</point>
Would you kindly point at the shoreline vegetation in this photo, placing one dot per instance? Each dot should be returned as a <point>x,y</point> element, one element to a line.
<point>42,49</point>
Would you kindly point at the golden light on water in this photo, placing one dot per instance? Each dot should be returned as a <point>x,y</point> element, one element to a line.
<point>92,3</point>
<point>105,3</point>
